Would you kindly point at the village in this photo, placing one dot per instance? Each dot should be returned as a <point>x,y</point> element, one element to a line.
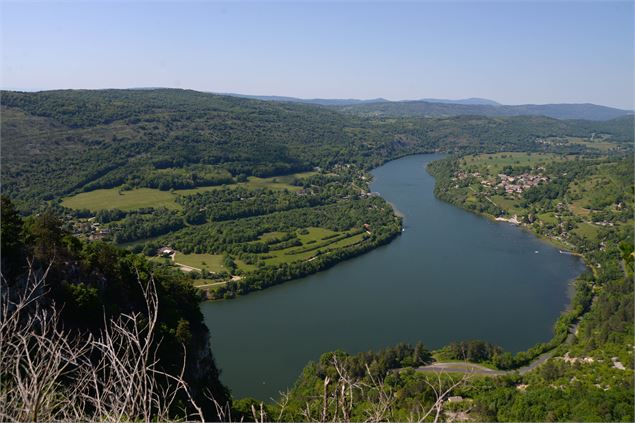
<point>510,184</point>
<point>518,184</point>
<point>86,228</point>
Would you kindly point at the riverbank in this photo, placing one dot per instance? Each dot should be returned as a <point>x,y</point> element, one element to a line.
<point>447,263</point>
<point>574,310</point>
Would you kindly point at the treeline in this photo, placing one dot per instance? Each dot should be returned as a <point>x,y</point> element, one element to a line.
<point>142,226</point>
<point>372,363</point>
<point>235,203</point>
<point>475,351</point>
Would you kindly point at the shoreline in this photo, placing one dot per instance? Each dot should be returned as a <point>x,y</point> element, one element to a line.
<point>562,248</point>
<point>395,210</point>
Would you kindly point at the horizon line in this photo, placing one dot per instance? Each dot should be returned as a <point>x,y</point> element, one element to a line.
<point>380,98</point>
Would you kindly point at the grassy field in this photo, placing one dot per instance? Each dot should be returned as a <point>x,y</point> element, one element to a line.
<point>510,205</point>
<point>316,241</point>
<point>579,210</point>
<point>125,200</point>
<point>316,234</point>
<point>270,235</point>
<point>140,198</point>
<point>275,182</point>
<point>313,241</point>
<point>348,241</point>
<point>549,218</point>
<point>588,193</point>
<point>587,230</point>
<point>493,164</point>
<point>211,262</point>
<point>244,266</point>
<point>600,145</point>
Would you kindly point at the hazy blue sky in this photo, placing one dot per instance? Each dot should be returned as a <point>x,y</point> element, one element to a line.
<point>528,52</point>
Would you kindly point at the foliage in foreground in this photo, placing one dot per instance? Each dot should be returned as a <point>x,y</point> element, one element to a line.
<point>87,302</point>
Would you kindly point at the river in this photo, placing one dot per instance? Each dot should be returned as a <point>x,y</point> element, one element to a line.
<point>451,275</point>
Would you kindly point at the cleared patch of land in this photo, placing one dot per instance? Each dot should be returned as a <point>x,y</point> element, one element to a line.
<point>493,164</point>
<point>115,198</point>
<point>314,242</point>
<point>211,262</point>
<point>244,267</point>
<point>275,182</point>
<point>600,143</point>
<point>139,198</point>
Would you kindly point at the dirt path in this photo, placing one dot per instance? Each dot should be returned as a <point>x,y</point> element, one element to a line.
<point>212,284</point>
<point>187,268</point>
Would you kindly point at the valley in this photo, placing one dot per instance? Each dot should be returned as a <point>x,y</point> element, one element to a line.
<point>219,197</point>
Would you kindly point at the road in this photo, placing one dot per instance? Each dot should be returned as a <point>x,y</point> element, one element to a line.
<point>460,367</point>
<point>472,368</point>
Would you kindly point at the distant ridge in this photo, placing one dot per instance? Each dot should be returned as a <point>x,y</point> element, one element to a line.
<point>428,107</point>
<point>468,101</point>
<point>431,107</point>
<point>318,101</point>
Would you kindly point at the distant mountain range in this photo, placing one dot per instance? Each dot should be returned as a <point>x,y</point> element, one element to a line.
<point>318,101</point>
<point>473,101</point>
<point>431,107</point>
<point>434,107</point>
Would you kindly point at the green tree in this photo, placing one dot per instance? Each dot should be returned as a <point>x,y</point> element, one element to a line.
<point>10,237</point>
<point>183,333</point>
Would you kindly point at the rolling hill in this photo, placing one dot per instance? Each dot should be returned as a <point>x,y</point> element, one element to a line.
<point>440,109</point>
<point>55,143</point>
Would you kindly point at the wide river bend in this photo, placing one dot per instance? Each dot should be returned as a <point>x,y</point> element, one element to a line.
<point>451,275</point>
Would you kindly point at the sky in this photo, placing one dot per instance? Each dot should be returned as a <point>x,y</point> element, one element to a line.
<point>512,52</point>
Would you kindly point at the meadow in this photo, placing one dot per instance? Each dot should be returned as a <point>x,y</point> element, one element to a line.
<point>210,262</point>
<point>493,164</point>
<point>116,198</point>
<point>139,198</point>
<point>314,241</point>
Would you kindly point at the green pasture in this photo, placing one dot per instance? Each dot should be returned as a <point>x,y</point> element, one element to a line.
<point>115,198</point>
<point>493,164</point>
<point>211,262</point>
<point>138,198</point>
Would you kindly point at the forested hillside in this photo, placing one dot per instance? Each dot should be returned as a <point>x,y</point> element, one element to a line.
<point>59,142</point>
<point>426,108</point>
<point>229,195</point>
<point>184,171</point>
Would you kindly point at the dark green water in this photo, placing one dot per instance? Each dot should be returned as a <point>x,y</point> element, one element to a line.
<point>451,275</point>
